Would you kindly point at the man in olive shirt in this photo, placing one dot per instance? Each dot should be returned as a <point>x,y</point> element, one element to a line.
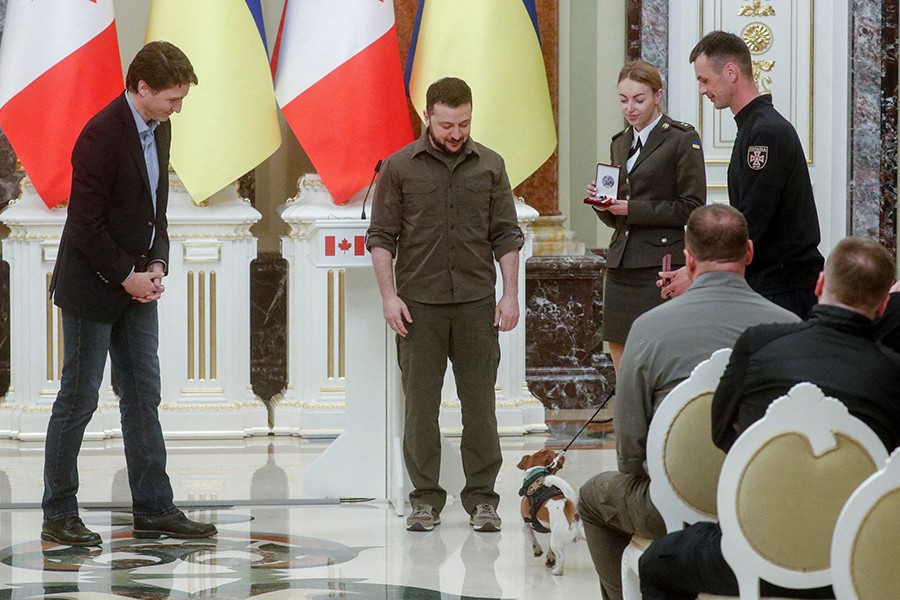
<point>445,210</point>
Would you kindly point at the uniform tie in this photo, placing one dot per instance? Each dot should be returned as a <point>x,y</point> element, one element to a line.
<point>633,156</point>
<point>635,149</point>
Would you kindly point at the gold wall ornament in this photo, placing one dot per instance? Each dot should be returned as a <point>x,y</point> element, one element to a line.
<point>342,320</point>
<point>213,355</point>
<point>190,325</point>
<point>329,324</point>
<point>758,37</point>
<point>49,328</point>
<point>756,9</point>
<point>763,81</point>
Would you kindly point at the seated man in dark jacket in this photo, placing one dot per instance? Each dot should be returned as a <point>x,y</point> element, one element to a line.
<point>836,348</point>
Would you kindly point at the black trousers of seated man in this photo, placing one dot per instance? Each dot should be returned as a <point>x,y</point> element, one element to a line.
<point>685,563</point>
<point>465,334</point>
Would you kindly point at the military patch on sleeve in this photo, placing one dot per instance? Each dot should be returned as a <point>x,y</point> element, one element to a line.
<point>695,145</point>
<point>757,157</point>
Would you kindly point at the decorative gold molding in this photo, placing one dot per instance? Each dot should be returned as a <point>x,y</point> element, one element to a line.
<point>304,181</point>
<point>49,328</point>
<point>763,83</point>
<point>756,10</point>
<point>329,346</point>
<point>190,325</point>
<point>208,236</point>
<point>758,37</point>
<point>332,389</point>
<point>60,344</point>
<point>342,347</point>
<point>313,405</point>
<point>201,391</point>
<point>201,324</point>
<point>213,369</point>
<point>811,94</point>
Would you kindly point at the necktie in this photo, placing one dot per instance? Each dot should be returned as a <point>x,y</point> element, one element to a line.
<point>635,149</point>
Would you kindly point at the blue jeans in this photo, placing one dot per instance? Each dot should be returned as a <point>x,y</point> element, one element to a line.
<point>132,343</point>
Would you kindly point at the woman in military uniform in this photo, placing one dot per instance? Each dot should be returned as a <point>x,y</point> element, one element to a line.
<point>662,179</point>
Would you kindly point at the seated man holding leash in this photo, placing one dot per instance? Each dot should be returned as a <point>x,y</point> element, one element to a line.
<point>663,347</point>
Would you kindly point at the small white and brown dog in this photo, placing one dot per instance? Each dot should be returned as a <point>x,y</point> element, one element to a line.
<point>549,505</point>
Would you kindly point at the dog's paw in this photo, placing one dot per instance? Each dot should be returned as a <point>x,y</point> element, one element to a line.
<point>557,570</point>
<point>551,560</point>
<point>538,551</point>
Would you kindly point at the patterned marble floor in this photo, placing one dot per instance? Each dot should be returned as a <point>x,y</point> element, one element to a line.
<point>272,548</point>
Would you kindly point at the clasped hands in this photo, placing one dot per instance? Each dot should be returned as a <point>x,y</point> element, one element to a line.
<point>147,286</point>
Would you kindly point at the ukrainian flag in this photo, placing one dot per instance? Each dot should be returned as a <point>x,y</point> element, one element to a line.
<point>229,122</point>
<point>495,47</point>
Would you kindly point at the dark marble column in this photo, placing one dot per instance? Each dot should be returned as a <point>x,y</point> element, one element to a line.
<point>873,120</point>
<point>268,325</point>
<point>565,364</point>
<point>647,34</point>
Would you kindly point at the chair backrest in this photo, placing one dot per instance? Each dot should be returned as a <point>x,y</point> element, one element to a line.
<point>682,461</point>
<point>865,550</point>
<point>783,484</point>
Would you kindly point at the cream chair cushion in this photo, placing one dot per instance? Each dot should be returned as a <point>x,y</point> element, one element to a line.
<point>865,552</point>
<point>782,487</point>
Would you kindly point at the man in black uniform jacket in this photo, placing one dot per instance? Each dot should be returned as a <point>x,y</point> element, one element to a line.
<point>836,349</point>
<point>768,179</point>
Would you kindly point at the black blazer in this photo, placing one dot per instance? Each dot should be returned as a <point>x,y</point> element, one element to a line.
<point>666,183</point>
<point>110,216</point>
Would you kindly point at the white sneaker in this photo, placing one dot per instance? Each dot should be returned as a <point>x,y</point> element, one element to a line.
<point>485,518</point>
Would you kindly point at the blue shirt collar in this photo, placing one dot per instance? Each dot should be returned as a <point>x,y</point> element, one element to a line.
<point>142,126</point>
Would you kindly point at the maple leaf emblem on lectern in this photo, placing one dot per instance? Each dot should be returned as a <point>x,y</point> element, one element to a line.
<point>345,245</point>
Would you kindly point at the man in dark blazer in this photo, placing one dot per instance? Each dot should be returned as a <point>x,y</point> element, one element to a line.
<point>108,277</point>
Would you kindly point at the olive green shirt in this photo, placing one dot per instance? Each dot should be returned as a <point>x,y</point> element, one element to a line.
<point>444,227</point>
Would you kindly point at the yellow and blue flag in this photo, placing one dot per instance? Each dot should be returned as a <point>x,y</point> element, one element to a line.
<point>229,121</point>
<point>496,49</point>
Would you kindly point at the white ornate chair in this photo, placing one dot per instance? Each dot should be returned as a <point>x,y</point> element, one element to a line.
<point>783,484</point>
<point>682,461</point>
<point>865,549</point>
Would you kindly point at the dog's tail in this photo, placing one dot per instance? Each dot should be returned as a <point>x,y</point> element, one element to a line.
<point>563,485</point>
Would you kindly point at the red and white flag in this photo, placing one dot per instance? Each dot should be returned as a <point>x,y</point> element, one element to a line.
<point>59,65</point>
<point>344,245</point>
<point>339,82</point>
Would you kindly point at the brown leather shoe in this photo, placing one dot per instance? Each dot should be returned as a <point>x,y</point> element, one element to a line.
<point>70,532</point>
<point>174,525</point>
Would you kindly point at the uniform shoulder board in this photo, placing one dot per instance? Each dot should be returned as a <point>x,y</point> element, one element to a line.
<point>681,125</point>
<point>620,133</point>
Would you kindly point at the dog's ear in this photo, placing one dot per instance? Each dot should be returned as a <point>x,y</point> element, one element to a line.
<point>526,460</point>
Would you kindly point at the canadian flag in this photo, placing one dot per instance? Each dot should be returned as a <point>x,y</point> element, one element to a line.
<point>339,82</point>
<point>339,245</point>
<point>59,65</point>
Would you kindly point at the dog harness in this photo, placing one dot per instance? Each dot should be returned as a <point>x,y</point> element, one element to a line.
<point>537,493</point>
